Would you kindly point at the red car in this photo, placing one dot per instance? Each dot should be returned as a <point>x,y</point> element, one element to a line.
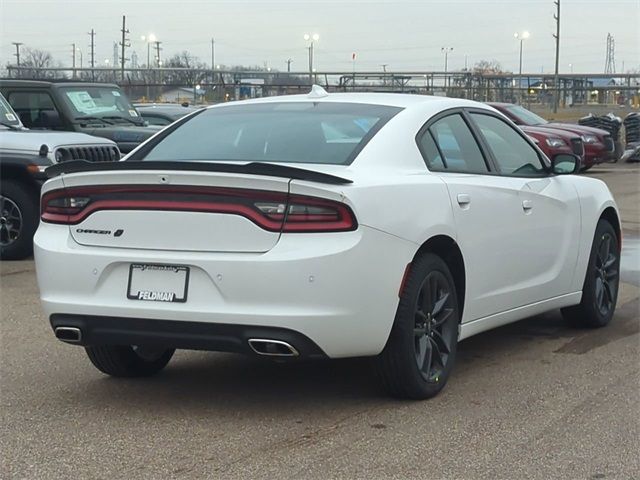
<point>552,142</point>
<point>598,144</point>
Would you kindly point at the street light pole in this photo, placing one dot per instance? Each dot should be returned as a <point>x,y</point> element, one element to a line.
<point>311,39</point>
<point>149,39</point>
<point>522,37</point>
<point>446,51</point>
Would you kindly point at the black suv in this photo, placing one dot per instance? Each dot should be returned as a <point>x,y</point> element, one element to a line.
<point>99,109</point>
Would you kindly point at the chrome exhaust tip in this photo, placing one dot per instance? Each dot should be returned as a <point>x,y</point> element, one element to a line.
<point>68,334</point>
<point>272,348</point>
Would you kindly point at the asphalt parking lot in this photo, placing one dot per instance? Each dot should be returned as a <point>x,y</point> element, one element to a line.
<point>534,400</point>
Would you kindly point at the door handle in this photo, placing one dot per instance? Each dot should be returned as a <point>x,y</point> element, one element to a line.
<point>464,199</point>
<point>527,205</point>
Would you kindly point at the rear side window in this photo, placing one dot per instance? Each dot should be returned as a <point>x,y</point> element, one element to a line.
<point>287,132</point>
<point>452,147</point>
<point>32,107</point>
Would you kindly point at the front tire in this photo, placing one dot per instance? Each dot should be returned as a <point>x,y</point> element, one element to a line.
<point>420,352</point>
<point>600,289</point>
<point>128,361</point>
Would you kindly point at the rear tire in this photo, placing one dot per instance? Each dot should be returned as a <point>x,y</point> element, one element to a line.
<point>126,361</point>
<point>18,220</point>
<point>420,352</point>
<point>600,289</point>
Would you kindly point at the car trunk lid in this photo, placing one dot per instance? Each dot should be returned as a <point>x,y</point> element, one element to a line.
<point>181,207</point>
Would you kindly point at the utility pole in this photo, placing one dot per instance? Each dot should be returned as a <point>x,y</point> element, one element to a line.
<point>213,54</point>
<point>157,42</point>
<point>92,34</point>
<point>556,79</point>
<point>446,51</point>
<point>384,76</point>
<point>289,62</point>
<point>124,43</point>
<point>73,55</point>
<point>17,54</point>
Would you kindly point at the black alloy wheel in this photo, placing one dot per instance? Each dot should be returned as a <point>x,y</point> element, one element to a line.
<point>420,352</point>
<point>10,221</point>
<point>433,334</point>
<point>605,270</point>
<point>600,289</point>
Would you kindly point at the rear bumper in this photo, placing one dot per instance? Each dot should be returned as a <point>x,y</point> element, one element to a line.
<point>339,290</point>
<point>96,330</point>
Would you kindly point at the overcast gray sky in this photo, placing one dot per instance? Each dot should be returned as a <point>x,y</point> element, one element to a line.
<point>405,34</point>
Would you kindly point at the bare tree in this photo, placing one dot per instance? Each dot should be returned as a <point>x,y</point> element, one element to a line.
<point>487,66</point>
<point>39,61</point>
<point>191,70</point>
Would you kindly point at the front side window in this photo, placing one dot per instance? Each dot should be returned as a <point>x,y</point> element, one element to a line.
<point>455,144</point>
<point>513,154</point>
<point>286,132</point>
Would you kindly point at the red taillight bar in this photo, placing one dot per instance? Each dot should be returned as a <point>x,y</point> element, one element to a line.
<point>293,213</point>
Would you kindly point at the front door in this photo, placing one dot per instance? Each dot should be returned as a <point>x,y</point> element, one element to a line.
<point>514,224</point>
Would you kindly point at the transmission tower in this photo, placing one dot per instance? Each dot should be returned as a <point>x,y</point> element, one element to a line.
<point>610,62</point>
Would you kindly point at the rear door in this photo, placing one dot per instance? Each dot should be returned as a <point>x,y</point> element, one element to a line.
<point>176,210</point>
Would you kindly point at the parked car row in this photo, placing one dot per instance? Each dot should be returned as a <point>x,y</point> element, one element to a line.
<point>24,155</point>
<point>599,147</point>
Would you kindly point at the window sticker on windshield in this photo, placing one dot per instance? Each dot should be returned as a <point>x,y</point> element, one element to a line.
<point>11,117</point>
<point>82,101</point>
<point>133,113</point>
<point>115,93</point>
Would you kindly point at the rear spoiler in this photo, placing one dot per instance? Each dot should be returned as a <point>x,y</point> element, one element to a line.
<point>253,168</point>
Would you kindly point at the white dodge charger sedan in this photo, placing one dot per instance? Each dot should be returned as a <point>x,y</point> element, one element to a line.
<point>323,225</point>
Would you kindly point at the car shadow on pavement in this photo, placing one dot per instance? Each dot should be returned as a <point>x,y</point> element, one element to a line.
<point>226,384</point>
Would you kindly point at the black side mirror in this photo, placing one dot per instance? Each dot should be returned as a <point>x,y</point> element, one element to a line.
<point>565,163</point>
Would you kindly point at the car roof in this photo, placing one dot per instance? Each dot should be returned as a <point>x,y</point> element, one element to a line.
<point>12,82</point>
<point>173,107</point>
<point>401,100</point>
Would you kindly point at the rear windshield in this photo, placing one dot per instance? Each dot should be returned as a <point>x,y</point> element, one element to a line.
<point>526,116</point>
<point>289,132</point>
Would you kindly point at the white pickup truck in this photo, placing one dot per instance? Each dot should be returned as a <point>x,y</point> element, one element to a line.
<point>24,155</point>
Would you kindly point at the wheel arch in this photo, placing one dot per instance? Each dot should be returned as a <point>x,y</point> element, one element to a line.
<point>19,173</point>
<point>448,249</point>
<point>611,215</point>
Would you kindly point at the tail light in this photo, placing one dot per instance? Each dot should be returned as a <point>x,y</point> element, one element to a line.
<point>272,211</point>
<point>310,214</point>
